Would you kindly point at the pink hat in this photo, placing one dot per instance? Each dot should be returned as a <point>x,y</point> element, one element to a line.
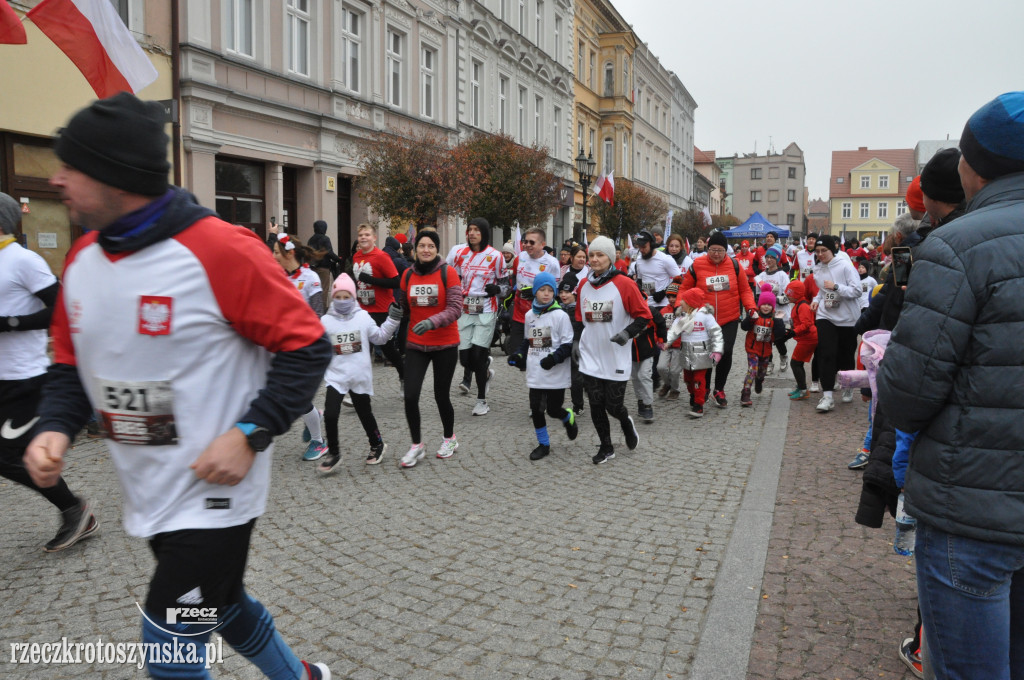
<point>344,282</point>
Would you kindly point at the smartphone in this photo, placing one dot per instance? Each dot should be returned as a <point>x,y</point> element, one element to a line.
<point>901,261</point>
<point>273,221</point>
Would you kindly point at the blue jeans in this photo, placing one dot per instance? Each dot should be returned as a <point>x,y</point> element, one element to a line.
<point>971,595</point>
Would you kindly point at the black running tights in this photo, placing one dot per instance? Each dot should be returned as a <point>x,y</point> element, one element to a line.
<point>606,398</point>
<point>416,362</point>
<point>332,410</point>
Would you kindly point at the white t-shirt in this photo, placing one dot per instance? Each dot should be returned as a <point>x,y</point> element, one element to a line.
<point>351,367</point>
<point>779,280</point>
<point>805,262</point>
<point>605,311</point>
<point>22,275</point>
<point>307,282</point>
<point>655,274</point>
<point>867,284</point>
<point>544,334</point>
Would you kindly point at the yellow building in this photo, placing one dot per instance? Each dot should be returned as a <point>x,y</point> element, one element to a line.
<point>41,90</point>
<point>867,190</point>
<point>603,112</point>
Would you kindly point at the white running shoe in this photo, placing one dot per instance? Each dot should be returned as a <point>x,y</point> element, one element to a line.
<point>770,369</point>
<point>847,396</point>
<point>412,456</point>
<point>783,364</point>
<point>448,447</point>
<point>825,405</point>
<point>481,408</point>
<point>815,386</point>
<point>490,376</point>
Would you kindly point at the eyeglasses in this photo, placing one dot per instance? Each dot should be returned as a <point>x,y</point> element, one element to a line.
<point>528,242</point>
<point>717,251</point>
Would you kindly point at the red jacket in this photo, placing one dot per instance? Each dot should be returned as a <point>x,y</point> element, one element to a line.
<point>747,263</point>
<point>804,330</point>
<point>735,294</point>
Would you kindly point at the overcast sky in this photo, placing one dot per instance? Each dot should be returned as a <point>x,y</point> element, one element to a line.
<point>833,76</point>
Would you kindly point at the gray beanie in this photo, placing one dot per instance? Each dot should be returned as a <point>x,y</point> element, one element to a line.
<point>10,213</point>
<point>603,244</point>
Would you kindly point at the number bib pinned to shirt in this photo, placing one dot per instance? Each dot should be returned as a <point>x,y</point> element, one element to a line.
<point>423,295</point>
<point>669,317</point>
<point>599,311</point>
<point>717,283</point>
<point>540,337</point>
<point>762,333</point>
<point>347,343</point>
<point>648,287</point>
<point>139,413</point>
<point>366,296</point>
<point>474,305</point>
<point>831,298</point>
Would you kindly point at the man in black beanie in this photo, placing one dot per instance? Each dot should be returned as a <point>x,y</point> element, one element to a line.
<point>940,184</point>
<point>178,330</point>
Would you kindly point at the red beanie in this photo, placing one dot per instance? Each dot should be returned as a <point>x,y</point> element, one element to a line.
<point>915,197</point>
<point>694,298</point>
<point>401,238</point>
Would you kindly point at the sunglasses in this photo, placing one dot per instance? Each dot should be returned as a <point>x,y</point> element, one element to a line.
<point>529,243</point>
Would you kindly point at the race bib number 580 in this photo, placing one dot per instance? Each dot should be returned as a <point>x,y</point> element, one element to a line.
<point>424,295</point>
<point>139,413</point>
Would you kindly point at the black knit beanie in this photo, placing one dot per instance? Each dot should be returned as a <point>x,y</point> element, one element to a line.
<point>718,239</point>
<point>119,141</point>
<point>940,179</point>
<point>828,241</point>
<point>428,233</point>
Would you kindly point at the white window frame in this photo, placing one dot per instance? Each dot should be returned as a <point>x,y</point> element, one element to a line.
<point>233,17</point>
<point>522,114</point>
<point>522,17</point>
<point>790,194</point>
<point>901,208</point>
<point>847,211</point>
<point>539,24</point>
<point>865,210</point>
<point>581,75</point>
<point>428,87</point>
<point>579,136</point>
<point>297,20</point>
<point>352,45</point>
<point>883,210</point>
<point>556,124</point>
<point>608,153</point>
<point>557,51</point>
<point>504,85</point>
<point>394,64</point>
<point>538,120</point>
<point>476,76</point>
<point>883,181</point>
<point>608,83</point>
<point>865,181</point>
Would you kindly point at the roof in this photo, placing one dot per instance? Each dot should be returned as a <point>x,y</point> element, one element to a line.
<point>703,156</point>
<point>817,206</point>
<point>845,161</point>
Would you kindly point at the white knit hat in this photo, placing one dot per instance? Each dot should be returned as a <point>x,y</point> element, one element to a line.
<point>603,244</point>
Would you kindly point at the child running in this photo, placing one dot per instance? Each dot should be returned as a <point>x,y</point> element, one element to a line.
<point>668,365</point>
<point>544,355</point>
<point>701,343</point>
<point>351,331</point>
<point>805,332</point>
<point>763,330</point>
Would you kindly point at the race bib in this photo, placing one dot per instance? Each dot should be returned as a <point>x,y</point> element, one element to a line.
<point>831,298</point>
<point>669,317</point>
<point>863,286</point>
<point>474,305</point>
<point>139,413</point>
<point>717,283</point>
<point>366,296</point>
<point>598,311</point>
<point>540,336</point>
<point>803,274</point>
<point>347,343</point>
<point>648,287</point>
<point>781,299</point>
<point>762,333</point>
<point>424,295</point>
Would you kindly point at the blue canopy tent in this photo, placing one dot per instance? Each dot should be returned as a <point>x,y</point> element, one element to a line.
<point>756,226</point>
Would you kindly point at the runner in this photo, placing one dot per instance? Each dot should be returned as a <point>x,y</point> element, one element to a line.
<point>612,311</point>
<point>801,328</point>
<point>746,258</point>
<point>654,270</point>
<point>763,329</point>
<point>530,262</point>
<point>805,261</point>
<point>28,292</point>
<point>837,306</point>
<point>433,301</point>
<point>700,345</point>
<point>676,249</point>
<point>770,239</point>
<point>181,332</point>
<point>778,280</point>
<point>567,299</point>
<point>376,280</point>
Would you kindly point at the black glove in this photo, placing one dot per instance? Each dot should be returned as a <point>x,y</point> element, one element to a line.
<point>548,362</point>
<point>526,293</point>
<point>395,311</point>
<point>576,352</point>
<point>365,278</point>
<point>492,289</point>
<point>423,326</point>
<point>517,360</point>
<point>620,338</point>
<point>659,296</point>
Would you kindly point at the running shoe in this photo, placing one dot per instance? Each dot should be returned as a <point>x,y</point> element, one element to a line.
<point>571,428</point>
<point>745,398</point>
<point>696,411</point>
<point>481,408</point>
<point>317,671</point>
<point>646,412</point>
<point>448,447</point>
<point>306,436</point>
<point>328,464</point>
<point>315,451</point>
<point>847,396</point>
<point>673,395</point>
<point>376,453</point>
<point>663,391</point>
<point>630,433</point>
<point>861,461</point>
<point>490,376</point>
<point>539,452</point>
<point>412,456</point>
<point>718,399</point>
<point>770,369</point>
<point>798,395</point>
<point>604,454</point>
<point>815,387</point>
<point>77,523</point>
<point>783,363</point>
<point>825,405</point>
<point>911,657</point>
<point>464,386</point>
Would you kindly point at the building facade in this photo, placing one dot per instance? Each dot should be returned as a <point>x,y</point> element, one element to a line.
<point>683,109</point>
<point>773,184</point>
<point>652,128</point>
<point>725,183</point>
<point>704,164</point>
<point>867,189</point>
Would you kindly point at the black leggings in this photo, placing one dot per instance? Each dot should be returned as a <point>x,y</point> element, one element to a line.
<point>606,398</point>
<point>835,351</point>
<point>390,348</point>
<point>416,362</point>
<point>723,367</point>
<point>800,374</point>
<point>474,360</point>
<point>576,390</point>
<point>332,410</point>
<point>554,400</point>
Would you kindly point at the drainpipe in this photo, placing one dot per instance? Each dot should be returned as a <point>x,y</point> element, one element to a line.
<point>176,90</point>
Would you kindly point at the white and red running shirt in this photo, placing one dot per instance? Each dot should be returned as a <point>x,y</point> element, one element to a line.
<point>605,311</point>
<point>476,271</point>
<point>526,269</point>
<point>22,275</point>
<point>805,263</point>
<point>307,282</point>
<point>655,274</point>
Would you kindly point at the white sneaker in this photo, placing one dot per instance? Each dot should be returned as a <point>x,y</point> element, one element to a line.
<point>490,376</point>
<point>784,364</point>
<point>347,401</point>
<point>847,396</point>
<point>481,408</point>
<point>770,369</point>
<point>413,456</point>
<point>448,447</point>
<point>815,386</point>
<point>825,405</point>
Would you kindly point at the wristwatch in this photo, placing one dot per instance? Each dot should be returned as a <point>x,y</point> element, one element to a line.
<point>259,438</point>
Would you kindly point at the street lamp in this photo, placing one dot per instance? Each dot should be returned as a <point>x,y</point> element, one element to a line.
<point>585,167</point>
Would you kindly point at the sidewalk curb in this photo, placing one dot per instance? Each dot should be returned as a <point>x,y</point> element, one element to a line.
<point>726,639</point>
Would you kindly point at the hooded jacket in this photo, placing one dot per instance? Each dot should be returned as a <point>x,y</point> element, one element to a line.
<point>732,295</point>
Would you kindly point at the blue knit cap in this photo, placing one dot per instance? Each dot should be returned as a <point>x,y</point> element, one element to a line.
<point>544,279</point>
<point>775,252</point>
<point>993,139</point>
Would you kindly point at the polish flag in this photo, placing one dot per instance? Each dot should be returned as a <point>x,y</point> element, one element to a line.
<point>11,30</point>
<point>604,187</point>
<point>93,36</point>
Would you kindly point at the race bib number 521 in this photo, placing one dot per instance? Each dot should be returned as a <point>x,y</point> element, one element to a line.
<point>139,413</point>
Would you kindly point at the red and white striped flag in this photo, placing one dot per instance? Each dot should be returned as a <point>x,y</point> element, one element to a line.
<point>11,30</point>
<point>604,187</point>
<point>94,38</point>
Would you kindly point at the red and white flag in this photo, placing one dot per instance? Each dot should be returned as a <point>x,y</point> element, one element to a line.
<point>706,216</point>
<point>517,240</point>
<point>604,187</point>
<point>92,35</point>
<point>11,30</point>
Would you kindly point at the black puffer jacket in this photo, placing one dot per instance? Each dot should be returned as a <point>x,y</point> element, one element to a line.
<point>955,366</point>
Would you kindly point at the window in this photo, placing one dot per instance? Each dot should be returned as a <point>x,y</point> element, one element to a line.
<point>297,19</point>
<point>883,181</point>
<point>883,210</point>
<point>579,136</point>
<point>239,192</point>
<point>607,155</point>
<point>503,9</point>
<point>625,154</point>
<point>791,173</point>
<point>428,62</point>
<point>522,17</point>
<point>755,196</point>
<point>773,218</point>
<point>773,173</point>
<point>538,120</point>
<point>503,104</point>
<point>609,80</point>
<point>592,137</point>
<point>351,48</point>
<point>791,195</point>
<point>865,181</point>
<point>847,210</point>
<point>393,57</point>
<point>581,75</point>
<point>539,24</point>
<point>556,125</point>
<point>522,115</point>
<point>476,75</point>
<point>240,27</point>
<point>865,210</point>
<point>122,10</point>
<point>755,173</point>
<point>557,52</point>
<point>840,180</point>
<point>773,195</point>
<point>901,208</point>
<point>790,219</point>
<point>593,72</point>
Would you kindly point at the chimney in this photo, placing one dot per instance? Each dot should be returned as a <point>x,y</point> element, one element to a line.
<point>862,148</point>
